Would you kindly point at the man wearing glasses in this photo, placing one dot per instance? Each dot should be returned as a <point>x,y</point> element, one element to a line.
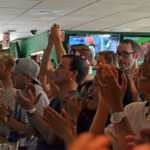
<point>128,52</point>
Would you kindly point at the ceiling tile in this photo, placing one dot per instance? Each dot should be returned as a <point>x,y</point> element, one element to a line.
<point>61,5</point>
<point>17,4</point>
<point>11,11</point>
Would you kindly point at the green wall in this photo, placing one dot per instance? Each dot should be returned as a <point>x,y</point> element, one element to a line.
<point>34,43</point>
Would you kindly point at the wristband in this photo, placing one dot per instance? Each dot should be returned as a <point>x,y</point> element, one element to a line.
<point>30,112</point>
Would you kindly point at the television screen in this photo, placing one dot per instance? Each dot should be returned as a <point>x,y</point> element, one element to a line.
<point>96,42</point>
<point>144,43</point>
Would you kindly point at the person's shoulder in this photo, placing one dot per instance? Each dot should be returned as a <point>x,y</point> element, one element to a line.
<point>135,106</point>
<point>56,104</point>
<point>38,87</point>
<point>13,89</point>
<point>43,97</point>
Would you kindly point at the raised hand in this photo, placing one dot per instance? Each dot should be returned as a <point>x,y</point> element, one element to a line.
<point>57,35</point>
<point>51,38</point>
<point>142,147</point>
<point>133,140</point>
<point>110,89</point>
<point>29,99</point>
<point>56,32</point>
<point>73,106</point>
<point>145,133</point>
<point>62,125</point>
<point>87,141</point>
<point>30,92</point>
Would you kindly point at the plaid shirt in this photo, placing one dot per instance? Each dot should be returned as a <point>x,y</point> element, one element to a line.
<point>20,115</point>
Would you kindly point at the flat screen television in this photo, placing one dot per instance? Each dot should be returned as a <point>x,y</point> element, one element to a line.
<point>96,42</point>
<point>144,43</point>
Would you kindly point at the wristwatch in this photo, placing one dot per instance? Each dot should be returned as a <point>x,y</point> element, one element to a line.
<point>117,117</point>
<point>30,112</point>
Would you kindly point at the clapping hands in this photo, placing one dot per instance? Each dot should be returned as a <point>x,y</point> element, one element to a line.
<point>62,125</point>
<point>133,140</point>
<point>73,105</point>
<point>29,98</point>
<point>111,92</point>
<point>87,141</point>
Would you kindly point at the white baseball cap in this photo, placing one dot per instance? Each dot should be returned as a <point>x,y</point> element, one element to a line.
<point>29,67</point>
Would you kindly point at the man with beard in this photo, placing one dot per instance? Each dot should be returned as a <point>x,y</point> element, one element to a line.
<point>128,54</point>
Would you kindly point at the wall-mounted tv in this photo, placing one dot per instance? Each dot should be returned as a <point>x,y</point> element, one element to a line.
<point>144,42</point>
<point>96,42</point>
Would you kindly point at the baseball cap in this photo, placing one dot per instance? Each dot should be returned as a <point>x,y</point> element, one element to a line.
<point>29,67</point>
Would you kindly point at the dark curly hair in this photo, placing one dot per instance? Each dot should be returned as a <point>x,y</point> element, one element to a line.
<point>135,46</point>
<point>78,64</point>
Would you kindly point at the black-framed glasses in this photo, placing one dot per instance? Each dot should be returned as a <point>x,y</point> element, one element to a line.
<point>124,54</point>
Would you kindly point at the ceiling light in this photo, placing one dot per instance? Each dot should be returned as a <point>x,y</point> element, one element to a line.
<point>11,31</point>
<point>36,18</point>
<point>47,12</point>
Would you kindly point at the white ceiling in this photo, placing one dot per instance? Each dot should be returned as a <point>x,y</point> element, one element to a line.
<point>90,15</point>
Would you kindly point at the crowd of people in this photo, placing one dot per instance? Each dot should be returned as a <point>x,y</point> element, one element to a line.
<point>43,107</point>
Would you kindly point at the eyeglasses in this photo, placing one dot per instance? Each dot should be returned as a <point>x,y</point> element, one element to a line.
<point>124,54</point>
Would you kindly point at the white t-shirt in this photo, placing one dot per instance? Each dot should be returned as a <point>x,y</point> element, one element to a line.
<point>136,114</point>
<point>43,101</point>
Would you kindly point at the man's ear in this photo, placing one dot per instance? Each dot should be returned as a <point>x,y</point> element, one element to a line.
<point>75,74</point>
<point>28,78</point>
<point>137,55</point>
